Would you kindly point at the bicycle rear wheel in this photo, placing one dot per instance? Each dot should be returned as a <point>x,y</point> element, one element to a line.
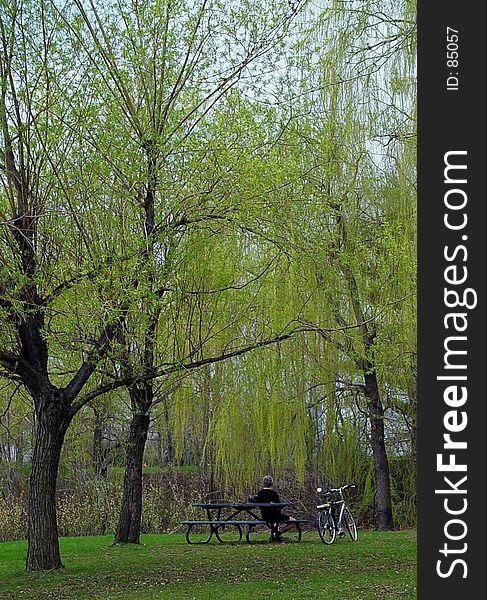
<point>326,527</point>
<point>350,524</point>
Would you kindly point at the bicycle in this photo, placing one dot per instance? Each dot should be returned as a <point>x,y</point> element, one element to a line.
<point>329,524</point>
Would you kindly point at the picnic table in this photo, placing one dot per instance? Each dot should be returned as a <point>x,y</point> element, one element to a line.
<point>230,515</point>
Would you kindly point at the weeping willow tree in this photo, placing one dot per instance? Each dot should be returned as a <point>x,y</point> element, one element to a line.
<point>358,144</point>
<point>346,218</point>
<point>252,410</point>
<point>250,416</point>
<point>265,406</point>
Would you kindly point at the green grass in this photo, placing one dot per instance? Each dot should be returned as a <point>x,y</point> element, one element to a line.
<point>379,565</point>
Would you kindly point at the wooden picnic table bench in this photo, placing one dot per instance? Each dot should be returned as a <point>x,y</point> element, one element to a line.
<point>218,524</point>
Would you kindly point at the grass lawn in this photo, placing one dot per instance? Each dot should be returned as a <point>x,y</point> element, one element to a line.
<point>380,565</point>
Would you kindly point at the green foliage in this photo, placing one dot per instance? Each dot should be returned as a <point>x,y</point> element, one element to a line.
<point>404,496</point>
<point>342,458</point>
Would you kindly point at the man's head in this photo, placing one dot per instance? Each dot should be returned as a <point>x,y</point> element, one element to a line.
<point>267,481</point>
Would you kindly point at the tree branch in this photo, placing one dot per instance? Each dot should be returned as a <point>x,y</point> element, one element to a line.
<point>17,367</point>
<point>94,357</point>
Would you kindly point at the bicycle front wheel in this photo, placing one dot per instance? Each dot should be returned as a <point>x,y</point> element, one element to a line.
<point>350,524</point>
<point>326,527</point>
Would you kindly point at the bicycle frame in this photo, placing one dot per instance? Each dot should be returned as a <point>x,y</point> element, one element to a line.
<point>332,504</point>
<point>342,510</point>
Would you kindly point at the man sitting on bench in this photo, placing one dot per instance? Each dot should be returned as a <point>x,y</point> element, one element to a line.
<point>273,516</point>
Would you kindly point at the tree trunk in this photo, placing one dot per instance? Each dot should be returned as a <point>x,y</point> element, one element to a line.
<point>43,544</point>
<point>381,463</point>
<point>100,454</point>
<point>128,530</point>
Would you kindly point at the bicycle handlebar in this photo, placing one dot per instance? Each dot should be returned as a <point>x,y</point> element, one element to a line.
<point>339,490</point>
